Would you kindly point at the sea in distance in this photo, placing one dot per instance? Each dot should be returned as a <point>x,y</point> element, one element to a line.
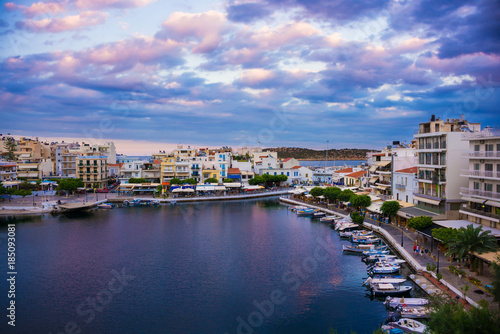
<point>246,266</point>
<point>331,163</point>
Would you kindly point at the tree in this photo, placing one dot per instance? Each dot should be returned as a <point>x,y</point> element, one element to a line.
<point>190,181</point>
<point>282,178</point>
<point>357,218</point>
<point>228,180</point>
<point>10,146</point>
<point>362,201</point>
<point>496,280</point>
<point>137,180</point>
<point>256,180</point>
<point>175,181</point>
<point>419,223</point>
<point>332,193</point>
<point>390,208</point>
<point>444,234</point>
<point>211,180</point>
<point>69,185</point>
<point>471,240</point>
<point>448,316</point>
<point>22,193</point>
<point>345,195</point>
<point>316,191</point>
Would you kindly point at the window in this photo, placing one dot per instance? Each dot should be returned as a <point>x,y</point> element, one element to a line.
<point>274,173</point>
<point>498,188</point>
<point>476,166</point>
<point>476,186</point>
<point>476,148</point>
<point>489,147</point>
<point>488,187</point>
<point>287,173</point>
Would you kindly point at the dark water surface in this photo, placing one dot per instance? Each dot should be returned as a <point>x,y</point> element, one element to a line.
<point>227,267</point>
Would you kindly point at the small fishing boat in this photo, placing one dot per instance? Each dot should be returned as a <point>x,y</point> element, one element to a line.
<point>384,269</point>
<point>384,279</point>
<point>380,257</point>
<point>328,219</point>
<point>414,312</point>
<point>106,206</point>
<point>393,303</point>
<point>389,289</point>
<point>304,212</point>
<point>360,248</point>
<point>376,251</point>
<point>346,227</point>
<point>318,214</point>
<point>408,326</point>
<point>365,239</point>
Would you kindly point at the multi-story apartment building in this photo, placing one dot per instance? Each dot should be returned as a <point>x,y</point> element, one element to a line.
<point>34,170</point>
<point>440,159</point>
<point>482,175</point>
<point>67,164</point>
<point>8,171</point>
<point>405,184</point>
<point>106,149</point>
<point>167,169</point>
<point>92,170</point>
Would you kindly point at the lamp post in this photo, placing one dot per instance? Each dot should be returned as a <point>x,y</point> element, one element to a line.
<point>437,268</point>
<point>402,235</point>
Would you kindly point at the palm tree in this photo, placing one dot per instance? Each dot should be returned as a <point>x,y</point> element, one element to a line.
<point>471,240</point>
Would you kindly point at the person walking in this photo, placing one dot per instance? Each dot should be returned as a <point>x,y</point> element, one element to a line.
<point>414,249</point>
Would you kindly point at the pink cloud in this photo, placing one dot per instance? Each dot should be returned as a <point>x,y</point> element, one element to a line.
<point>267,38</point>
<point>38,8</point>
<point>102,4</point>
<point>255,76</point>
<point>207,27</point>
<point>68,23</point>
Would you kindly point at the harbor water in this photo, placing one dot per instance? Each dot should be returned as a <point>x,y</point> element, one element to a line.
<point>249,266</point>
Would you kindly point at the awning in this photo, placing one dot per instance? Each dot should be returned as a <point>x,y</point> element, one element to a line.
<point>373,179</point>
<point>219,188</point>
<point>464,223</point>
<point>180,190</point>
<point>205,188</point>
<point>412,211</point>
<point>375,207</point>
<point>493,203</point>
<point>427,200</point>
<point>232,185</point>
<point>309,195</point>
<point>373,168</point>
<point>488,257</point>
<point>255,188</point>
<point>321,196</point>
<point>384,163</point>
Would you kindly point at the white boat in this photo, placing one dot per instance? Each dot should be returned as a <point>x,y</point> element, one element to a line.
<point>318,214</point>
<point>376,251</point>
<point>387,280</point>
<point>384,269</point>
<point>359,248</point>
<point>388,289</point>
<point>106,206</point>
<point>328,219</point>
<point>383,257</point>
<point>347,227</point>
<point>414,312</point>
<point>409,326</point>
<point>365,239</point>
<point>304,212</point>
<point>392,261</point>
<point>393,302</point>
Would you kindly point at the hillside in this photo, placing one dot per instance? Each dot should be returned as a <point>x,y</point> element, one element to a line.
<point>308,154</point>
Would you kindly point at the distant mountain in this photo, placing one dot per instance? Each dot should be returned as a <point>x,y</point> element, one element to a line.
<point>308,154</point>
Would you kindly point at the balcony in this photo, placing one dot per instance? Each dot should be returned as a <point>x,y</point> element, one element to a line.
<point>479,193</point>
<point>479,173</point>
<point>482,154</point>
<point>465,209</point>
<point>400,186</point>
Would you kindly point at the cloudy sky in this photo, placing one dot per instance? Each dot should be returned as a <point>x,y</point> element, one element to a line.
<point>238,73</point>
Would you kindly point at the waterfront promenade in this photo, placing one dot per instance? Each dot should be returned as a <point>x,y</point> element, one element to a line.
<point>402,240</point>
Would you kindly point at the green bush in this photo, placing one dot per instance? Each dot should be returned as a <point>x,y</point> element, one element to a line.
<point>419,223</point>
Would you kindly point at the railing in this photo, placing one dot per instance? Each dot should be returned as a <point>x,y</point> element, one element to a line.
<point>480,173</point>
<point>400,186</point>
<point>476,192</point>
<point>482,154</point>
<point>482,135</point>
<point>479,212</point>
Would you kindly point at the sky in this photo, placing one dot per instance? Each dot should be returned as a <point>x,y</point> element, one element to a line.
<point>269,73</point>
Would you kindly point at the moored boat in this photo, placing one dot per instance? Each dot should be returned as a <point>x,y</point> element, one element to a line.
<point>392,302</point>
<point>408,326</point>
<point>384,269</point>
<point>106,206</point>
<point>414,312</point>
<point>389,289</point>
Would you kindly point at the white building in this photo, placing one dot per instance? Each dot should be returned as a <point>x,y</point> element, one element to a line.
<point>440,161</point>
<point>482,175</point>
<point>405,184</point>
<point>131,168</point>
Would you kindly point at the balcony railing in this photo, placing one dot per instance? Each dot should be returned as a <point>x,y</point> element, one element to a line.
<point>400,186</point>
<point>481,193</point>
<point>480,173</point>
<point>465,207</point>
<point>482,154</point>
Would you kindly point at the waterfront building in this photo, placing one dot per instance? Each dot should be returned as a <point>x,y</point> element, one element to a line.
<point>8,171</point>
<point>115,169</point>
<point>354,179</point>
<point>405,184</point>
<point>234,174</point>
<point>107,149</point>
<point>482,177</point>
<point>167,166</point>
<point>131,168</point>
<point>68,165</point>
<point>289,172</point>
<point>208,173</point>
<point>151,172</point>
<point>32,150</point>
<point>288,163</point>
<point>440,161</point>
<point>93,170</point>
<point>34,170</point>
<point>264,160</point>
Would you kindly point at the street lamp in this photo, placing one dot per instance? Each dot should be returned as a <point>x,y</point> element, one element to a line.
<point>437,268</point>
<point>402,236</point>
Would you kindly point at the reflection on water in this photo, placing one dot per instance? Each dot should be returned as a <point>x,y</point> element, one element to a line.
<point>199,267</point>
